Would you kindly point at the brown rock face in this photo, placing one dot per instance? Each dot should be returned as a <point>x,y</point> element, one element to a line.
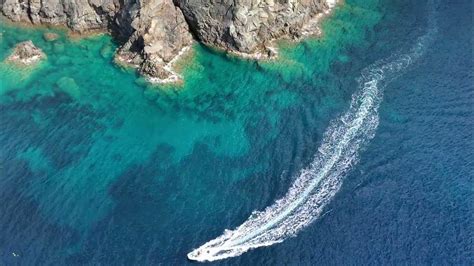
<point>78,15</point>
<point>26,53</point>
<point>154,32</point>
<point>248,25</point>
<point>160,33</point>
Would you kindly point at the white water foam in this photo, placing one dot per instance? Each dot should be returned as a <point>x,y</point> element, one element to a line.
<point>316,185</point>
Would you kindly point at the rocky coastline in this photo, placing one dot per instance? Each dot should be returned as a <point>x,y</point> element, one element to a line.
<point>156,33</point>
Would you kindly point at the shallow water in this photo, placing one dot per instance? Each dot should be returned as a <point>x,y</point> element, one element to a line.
<point>99,167</point>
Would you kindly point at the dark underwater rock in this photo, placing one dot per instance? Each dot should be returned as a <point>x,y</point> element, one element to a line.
<point>50,36</point>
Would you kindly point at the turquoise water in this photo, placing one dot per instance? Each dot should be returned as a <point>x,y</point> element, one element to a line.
<point>100,167</point>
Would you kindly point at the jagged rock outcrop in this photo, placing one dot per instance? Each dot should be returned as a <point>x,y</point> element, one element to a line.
<point>78,15</point>
<point>160,33</point>
<point>248,25</point>
<point>154,32</point>
<point>26,53</point>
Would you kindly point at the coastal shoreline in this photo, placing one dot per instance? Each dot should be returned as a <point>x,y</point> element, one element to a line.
<point>162,71</point>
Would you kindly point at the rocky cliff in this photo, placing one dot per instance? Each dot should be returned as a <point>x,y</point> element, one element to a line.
<point>154,32</point>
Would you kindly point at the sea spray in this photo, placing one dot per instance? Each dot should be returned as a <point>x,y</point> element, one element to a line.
<point>316,185</point>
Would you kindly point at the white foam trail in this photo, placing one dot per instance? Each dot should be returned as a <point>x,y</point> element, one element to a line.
<point>316,185</point>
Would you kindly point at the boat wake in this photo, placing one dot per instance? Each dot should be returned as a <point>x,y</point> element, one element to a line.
<point>317,184</point>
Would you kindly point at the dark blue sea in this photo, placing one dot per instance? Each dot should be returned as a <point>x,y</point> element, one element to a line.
<point>98,167</point>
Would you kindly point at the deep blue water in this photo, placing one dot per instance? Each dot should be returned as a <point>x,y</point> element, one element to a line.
<point>65,200</point>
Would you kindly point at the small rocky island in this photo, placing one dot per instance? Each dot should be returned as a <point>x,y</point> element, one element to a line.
<point>154,33</point>
<point>26,54</point>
